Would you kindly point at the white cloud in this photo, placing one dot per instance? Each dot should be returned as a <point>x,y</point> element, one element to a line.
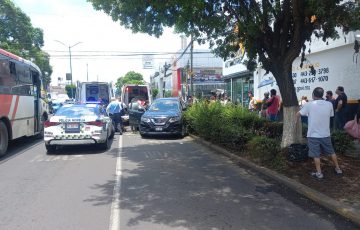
<point>72,21</point>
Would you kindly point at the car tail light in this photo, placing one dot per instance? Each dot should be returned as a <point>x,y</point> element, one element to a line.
<point>96,123</point>
<point>49,124</point>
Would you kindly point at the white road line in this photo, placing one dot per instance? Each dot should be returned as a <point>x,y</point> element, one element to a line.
<point>115,205</point>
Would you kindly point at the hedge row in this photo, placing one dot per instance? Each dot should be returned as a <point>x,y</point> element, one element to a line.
<point>238,129</point>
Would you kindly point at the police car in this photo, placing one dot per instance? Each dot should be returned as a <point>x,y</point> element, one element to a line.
<point>77,124</point>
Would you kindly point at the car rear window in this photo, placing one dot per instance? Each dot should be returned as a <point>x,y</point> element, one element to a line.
<point>164,105</point>
<point>77,111</point>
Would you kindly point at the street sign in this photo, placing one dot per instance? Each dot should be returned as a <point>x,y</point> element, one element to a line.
<point>68,76</point>
<point>148,61</point>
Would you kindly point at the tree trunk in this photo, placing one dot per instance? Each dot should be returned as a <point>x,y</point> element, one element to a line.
<point>292,131</point>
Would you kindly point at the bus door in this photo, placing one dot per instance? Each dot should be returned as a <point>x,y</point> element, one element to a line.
<point>37,92</point>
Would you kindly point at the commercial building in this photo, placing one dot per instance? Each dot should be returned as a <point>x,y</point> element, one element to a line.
<point>173,78</point>
<point>336,63</point>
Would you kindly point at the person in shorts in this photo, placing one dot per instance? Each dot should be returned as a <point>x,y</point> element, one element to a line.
<point>319,112</point>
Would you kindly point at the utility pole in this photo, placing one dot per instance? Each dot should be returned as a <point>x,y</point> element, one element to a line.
<point>87,72</point>
<point>191,66</point>
<point>166,67</point>
<point>72,90</point>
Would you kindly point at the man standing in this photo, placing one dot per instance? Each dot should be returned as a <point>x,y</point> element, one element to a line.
<point>330,98</point>
<point>340,108</point>
<point>114,109</point>
<point>273,105</point>
<point>319,112</point>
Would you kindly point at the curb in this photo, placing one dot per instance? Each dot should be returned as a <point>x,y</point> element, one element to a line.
<point>336,206</point>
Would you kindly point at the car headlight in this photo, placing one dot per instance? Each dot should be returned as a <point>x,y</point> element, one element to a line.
<point>174,119</point>
<point>145,119</point>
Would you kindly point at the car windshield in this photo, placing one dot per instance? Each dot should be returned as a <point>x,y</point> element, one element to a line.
<point>77,111</point>
<point>164,105</point>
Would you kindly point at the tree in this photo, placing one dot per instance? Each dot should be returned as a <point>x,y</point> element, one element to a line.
<point>155,92</point>
<point>130,77</point>
<point>70,90</point>
<point>273,33</point>
<point>18,36</point>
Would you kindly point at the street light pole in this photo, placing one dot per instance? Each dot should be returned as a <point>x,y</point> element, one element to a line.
<point>191,67</point>
<point>72,91</point>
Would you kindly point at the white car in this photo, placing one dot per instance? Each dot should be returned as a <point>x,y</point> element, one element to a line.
<point>77,124</point>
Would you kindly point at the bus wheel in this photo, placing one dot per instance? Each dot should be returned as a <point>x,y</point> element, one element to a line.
<point>4,138</point>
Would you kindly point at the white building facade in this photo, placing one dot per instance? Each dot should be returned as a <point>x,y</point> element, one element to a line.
<point>336,64</point>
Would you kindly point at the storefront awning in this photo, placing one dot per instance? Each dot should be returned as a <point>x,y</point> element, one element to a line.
<point>238,75</point>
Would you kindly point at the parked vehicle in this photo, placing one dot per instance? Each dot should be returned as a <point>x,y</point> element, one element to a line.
<point>94,92</point>
<point>132,92</point>
<point>76,124</point>
<point>165,116</point>
<point>23,108</point>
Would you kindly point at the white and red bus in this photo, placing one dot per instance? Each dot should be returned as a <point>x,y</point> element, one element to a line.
<point>22,109</point>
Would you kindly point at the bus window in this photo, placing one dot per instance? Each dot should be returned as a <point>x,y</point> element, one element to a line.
<point>6,81</point>
<point>24,82</point>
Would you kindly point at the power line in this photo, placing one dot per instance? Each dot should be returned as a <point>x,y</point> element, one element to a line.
<point>131,52</point>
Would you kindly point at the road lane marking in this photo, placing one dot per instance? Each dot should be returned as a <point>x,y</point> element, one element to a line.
<point>46,158</point>
<point>115,205</point>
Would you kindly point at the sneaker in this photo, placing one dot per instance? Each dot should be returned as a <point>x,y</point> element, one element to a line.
<point>317,175</point>
<point>338,171</point>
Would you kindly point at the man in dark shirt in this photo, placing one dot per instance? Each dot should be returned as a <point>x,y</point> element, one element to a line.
<point>330,98</point>
<point>340,108</point>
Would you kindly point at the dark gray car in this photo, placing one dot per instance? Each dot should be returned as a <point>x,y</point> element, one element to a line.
<point>164,117</point>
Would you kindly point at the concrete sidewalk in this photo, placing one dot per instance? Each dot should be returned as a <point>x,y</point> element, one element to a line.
<point>336,206</point>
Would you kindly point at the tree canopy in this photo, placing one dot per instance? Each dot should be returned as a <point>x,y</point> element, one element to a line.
<point>130,77</point>
<point>70,90</point>
<point>18,36</point>
<point>273,33</point>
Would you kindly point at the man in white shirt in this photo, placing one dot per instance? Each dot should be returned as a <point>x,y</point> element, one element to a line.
<point>319,112</point>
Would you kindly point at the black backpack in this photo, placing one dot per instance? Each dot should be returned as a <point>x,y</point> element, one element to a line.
<point>297,152</point>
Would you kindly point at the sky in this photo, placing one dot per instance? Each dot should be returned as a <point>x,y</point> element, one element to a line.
<point>74,21</point>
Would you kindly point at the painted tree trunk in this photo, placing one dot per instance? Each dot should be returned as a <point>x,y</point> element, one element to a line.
<point>292,130</point>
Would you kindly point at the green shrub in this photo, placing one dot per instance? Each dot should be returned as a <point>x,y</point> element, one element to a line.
<point>207,121</point>
<point>342,141</point>
<point>233,137</point>
<point>266,151</point>
<point>270,129</point>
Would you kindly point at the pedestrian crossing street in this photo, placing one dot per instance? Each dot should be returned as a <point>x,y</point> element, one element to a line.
<point>51,158</point>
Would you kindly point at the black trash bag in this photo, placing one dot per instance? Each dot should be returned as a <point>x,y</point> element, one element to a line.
<point>297,152</point>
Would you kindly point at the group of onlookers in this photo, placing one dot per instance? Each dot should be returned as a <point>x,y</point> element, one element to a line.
<point>270,105</point>
<point>339,104</point>
<point>323,115</point>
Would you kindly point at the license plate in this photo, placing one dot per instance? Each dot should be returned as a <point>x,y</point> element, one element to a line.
<point>158,129</point>
<point>72,126</point>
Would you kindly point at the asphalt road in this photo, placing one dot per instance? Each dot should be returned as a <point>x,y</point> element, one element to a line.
<point>162,183</point>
